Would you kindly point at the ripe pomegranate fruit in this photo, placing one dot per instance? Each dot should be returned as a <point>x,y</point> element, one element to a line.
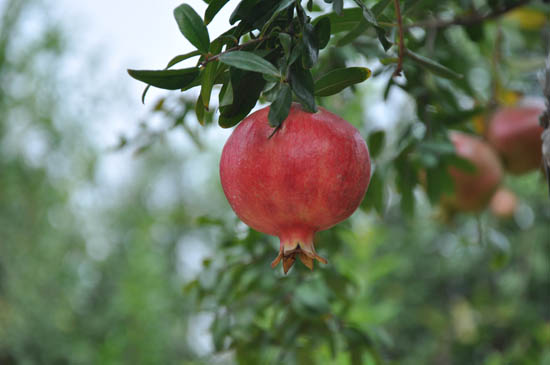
<point>473,190</point>
<point>308,176</point>
<point>515,133</point>
<point>504,203</point>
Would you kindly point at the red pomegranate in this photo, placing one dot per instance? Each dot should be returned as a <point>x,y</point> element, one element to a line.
<point>504,203</point>
<point>310,175</point>
<point>474,190</point>
<point>515,133</point>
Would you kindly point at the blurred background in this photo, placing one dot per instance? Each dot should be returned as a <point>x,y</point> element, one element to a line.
<point>117,245</point>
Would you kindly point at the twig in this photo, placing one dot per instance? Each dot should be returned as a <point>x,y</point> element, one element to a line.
<point>386,24</point>
<point>544,119</point>
<point>495,69</point>
<point>467,20</point>
<point>236,48</point>
<point>545,80</point>
<point>397,71</point>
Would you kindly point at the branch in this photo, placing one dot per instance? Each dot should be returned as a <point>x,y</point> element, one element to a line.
<point>467,20</point>
<point>544,119</point>
<point>401,43</point>
<point>545,80</point>
<point>236,48</point>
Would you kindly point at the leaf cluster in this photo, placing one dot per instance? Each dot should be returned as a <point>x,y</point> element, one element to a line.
<point>261,57</point>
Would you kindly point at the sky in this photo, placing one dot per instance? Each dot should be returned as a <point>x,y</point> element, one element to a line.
<point>134,34</point>
<point>114,36</point>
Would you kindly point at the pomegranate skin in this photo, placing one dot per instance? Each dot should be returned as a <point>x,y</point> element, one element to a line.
<point>311,174</point>
<point>515,133</point>
<point>504,203</point>
<point>473,191</point>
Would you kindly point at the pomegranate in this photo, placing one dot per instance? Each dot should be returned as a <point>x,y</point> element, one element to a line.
<point>515,133</point>
<point>474,190</point>
<point>311,174</point>
<point>504,203</point>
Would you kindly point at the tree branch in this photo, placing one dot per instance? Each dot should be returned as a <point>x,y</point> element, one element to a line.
<point>401,43</point>
<point>236,48</point>
<point>467,20</point>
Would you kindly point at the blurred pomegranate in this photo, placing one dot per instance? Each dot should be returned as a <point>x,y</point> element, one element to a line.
<point>310,175</point>
<point>504,203</point>
<point>473,190</point>
<point>515,133</point>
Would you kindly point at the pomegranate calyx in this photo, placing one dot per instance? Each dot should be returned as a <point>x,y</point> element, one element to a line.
<point>304,251</point>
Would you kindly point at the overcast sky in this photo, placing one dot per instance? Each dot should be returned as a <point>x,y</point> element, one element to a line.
<point>134,33</point>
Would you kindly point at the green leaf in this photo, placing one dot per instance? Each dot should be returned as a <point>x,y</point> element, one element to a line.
<point>286,42</point>
<point>367,13</point>
<point>194,83</point>
<point>226,94</point>
<point>301,82</point>
<point>296,52</point>
<point>376,142</point>
<point>220,328</point>
<point>428,159</point>
<point>187,288</point>
<point>270,91</point>
<point>407,202</point>
<point>358,342</point>
<point>171,63</point>
<point>375,196</point>
<point>356,355</point>
<point>246,87</point>
<point>475,32</point>
<point>192,27</point>
<point>388,88</point>
<point>353,34</point>
<point>439,182</point>
<point>340,78</point>
<point>182,57</point>
<point>218,43</point>
<point>208,77</point>
<point>282,6</point>
<point>253,13</point>
<point>406,181</point>
<point>379,7</point>
<point>213,8</point>
<point>440,148</point>
<point>322,30</point>
<point>144,93</point>
<point>280,107</point>
<point>166,79</point>
<point>389,60</point>
<point>311,46</point>
<point>199,110</point>
<point>250,62</point>
<point>432,65</point>
<point>461,163</point>
<point>242,9</point>
<point>341,23</point>
<point>370,17</point>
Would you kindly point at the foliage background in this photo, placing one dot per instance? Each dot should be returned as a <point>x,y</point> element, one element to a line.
<point>155,268</point>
